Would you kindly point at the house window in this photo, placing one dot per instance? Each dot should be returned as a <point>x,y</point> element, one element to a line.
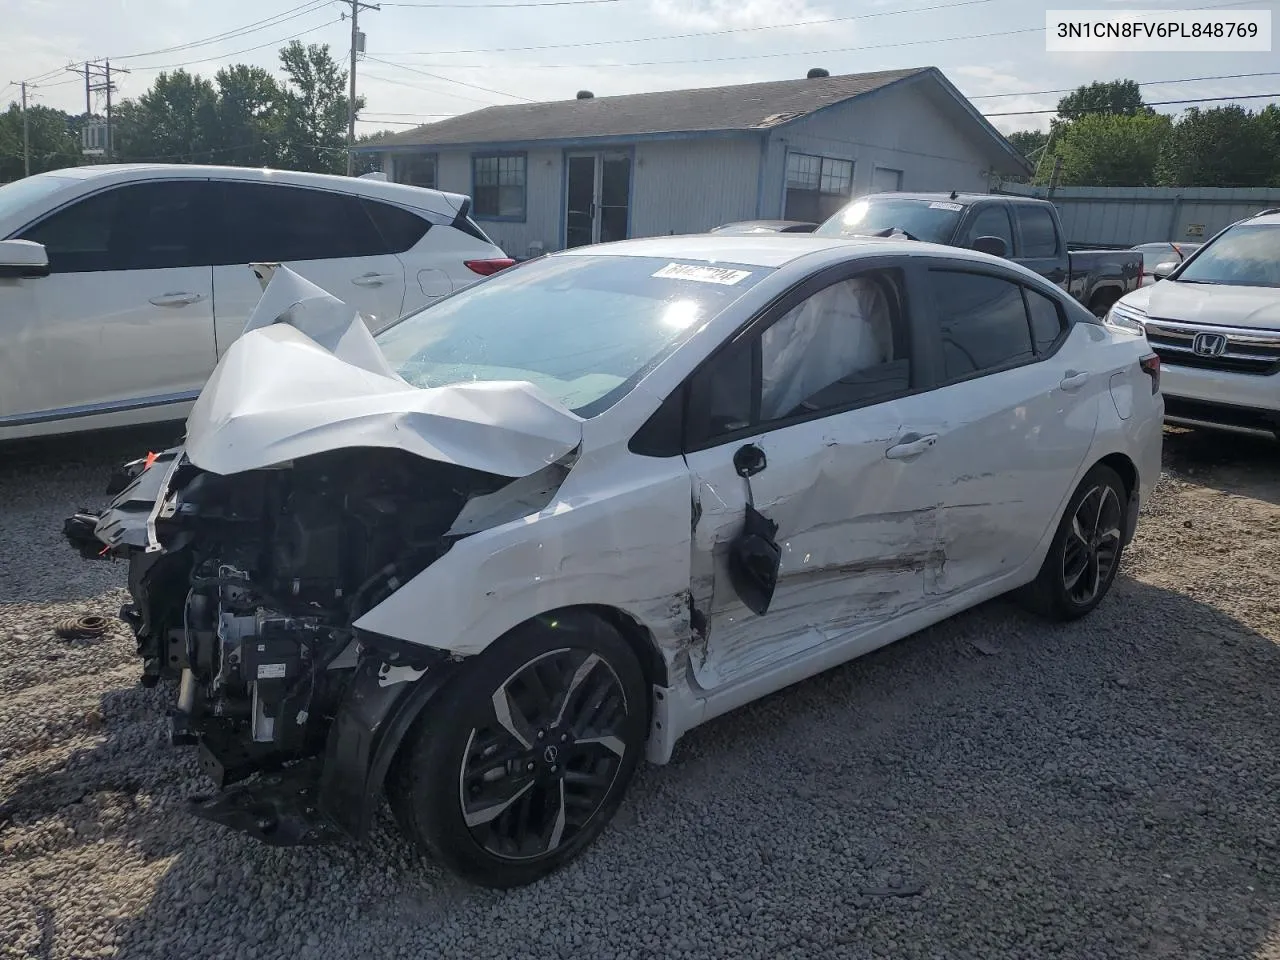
<point>499,186</point>
<point>816,186</point>
<point>419,171</point>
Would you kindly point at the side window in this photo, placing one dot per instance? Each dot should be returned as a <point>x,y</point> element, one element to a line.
<point>992,220</point>
<point>142,226</point>
<point>499,186</point>
<point>840,347</point>
<point>1039,236</point>
<point>263,222</point>
<point>722,394</point>
<point>398,228</point>
<point>844,346</point>
<point>1046,320</point>
<point>983,323</point>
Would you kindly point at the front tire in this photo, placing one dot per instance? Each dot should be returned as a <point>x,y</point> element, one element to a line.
<point>1085,554</point>
<point>523,759</point>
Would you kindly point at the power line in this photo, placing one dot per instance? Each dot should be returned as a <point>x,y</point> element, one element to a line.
<point>1144,83</point>
<point>302,10</point>
<point>746,56</point>
<point>236,53</point>
<point>505,6</point>
<point>435,76</point>
<point>422,89</point>
<point>687,36</point>
<point>1154,103</point>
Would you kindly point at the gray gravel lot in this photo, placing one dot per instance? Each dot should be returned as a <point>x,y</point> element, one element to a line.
<point>1107,789</point>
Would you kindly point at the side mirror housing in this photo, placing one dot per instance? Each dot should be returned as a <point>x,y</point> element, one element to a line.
<point>992,245</point>
<point>1163,270</point>
<point>20,259</point>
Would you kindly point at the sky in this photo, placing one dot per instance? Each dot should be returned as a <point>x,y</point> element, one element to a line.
<point>426,59</point>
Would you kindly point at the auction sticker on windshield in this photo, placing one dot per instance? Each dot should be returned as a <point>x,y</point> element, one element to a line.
<point>699,274</point>
<point>953,207</point>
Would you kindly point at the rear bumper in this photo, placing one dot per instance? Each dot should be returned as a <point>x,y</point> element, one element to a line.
<point>1242,403</point>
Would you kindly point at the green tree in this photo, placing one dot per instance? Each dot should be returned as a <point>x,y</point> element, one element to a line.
<point>315,121</point>
<point>366,162</point>
<point>1110,96</point>
<point>175,121</point>
<point>53,136</point>
<point>1110,150</point>
<point>251,112</point>
<point>1223,147</point>
<point>1027,142</point>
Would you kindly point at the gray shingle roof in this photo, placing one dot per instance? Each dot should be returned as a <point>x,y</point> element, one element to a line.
<point>749,106</point>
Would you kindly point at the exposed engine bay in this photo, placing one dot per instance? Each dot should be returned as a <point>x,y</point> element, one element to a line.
<point>245,588</point>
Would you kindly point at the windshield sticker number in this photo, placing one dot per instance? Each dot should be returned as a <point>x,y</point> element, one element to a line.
<point>953,207</point>
<point>720,275</point>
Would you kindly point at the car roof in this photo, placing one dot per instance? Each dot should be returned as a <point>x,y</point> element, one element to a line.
<point>962,198</point>
<point>423,198</point>
<point>771,249</point>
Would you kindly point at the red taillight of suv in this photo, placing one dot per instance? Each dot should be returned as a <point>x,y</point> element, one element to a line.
<point>1151,367</point>
<point>488,267</point>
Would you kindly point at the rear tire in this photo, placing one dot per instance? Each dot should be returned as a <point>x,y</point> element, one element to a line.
<point>1086,550</point>
<point>523,759</point>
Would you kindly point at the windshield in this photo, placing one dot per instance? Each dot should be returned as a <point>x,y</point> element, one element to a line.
<point>933,221</point>
<point>582,328</point>
<point>14,196</point>
<point>1244,256</point>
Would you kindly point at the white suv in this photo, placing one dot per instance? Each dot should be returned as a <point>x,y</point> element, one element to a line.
<point>1215,322</point>
<point>121,286</point>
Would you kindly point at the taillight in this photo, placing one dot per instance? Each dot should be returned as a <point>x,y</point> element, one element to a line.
<point>1151,367</point>
<point>488,267</point>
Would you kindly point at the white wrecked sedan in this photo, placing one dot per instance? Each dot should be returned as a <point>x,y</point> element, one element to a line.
<point>557,520</point>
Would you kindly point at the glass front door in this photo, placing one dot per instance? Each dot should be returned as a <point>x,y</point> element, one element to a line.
<point>597,197</point>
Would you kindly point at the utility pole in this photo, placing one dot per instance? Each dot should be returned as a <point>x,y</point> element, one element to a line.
<point>26,134</point>
<point>1055,176</point>
<point>357,46</point>
<point>97,79</point>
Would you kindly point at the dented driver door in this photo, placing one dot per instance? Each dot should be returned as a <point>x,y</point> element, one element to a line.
<point>856,528</point>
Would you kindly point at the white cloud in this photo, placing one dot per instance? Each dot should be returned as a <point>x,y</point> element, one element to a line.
<point>974,81</point>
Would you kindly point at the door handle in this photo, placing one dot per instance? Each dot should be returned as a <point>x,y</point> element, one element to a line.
<point>1074,381</point>
<point>911,448</point>
<point>176,299</point>
<point>371,279</point>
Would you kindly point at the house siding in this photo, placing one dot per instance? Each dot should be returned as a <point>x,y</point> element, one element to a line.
<point>691,186</point>
<point>898,128</point>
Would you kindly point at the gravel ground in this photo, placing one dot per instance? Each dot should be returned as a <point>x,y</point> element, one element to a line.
<point>993,787</point>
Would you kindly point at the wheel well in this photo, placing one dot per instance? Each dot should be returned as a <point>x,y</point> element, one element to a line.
<point>640,640</point>
<point>1104,296</point>
<point>1123,466</point>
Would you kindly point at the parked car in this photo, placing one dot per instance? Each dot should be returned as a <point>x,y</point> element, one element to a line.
<point>1025,230</point>
<point>140,282</point>
<point>555,521</point>
<point>1161,257</point>
<point>766,226</point>
<point>1215,322</point>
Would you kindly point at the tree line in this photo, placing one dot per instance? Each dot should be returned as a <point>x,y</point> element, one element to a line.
<point>244,116</point>
<point>1107,136</point>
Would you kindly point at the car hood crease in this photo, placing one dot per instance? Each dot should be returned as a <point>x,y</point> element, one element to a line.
<point>307,377</point>
<point>1232,306</point>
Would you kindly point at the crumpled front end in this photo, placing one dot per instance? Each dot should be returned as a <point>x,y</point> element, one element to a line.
<point>247,572</point>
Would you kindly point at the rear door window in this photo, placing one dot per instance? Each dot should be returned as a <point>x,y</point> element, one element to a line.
<point>1039,234</point>
<point>991,220</point>
<point>982,323</point>
<point>267,222</point>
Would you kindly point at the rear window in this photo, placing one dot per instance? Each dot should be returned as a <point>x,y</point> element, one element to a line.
<point>933,221</point>
<point>582,328</point>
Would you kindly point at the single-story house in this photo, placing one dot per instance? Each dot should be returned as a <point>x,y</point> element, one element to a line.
<point>545,176</point>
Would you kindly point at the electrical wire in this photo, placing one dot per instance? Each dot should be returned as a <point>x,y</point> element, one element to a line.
<point>422,89</point>
<point>1143,83</point>
<point>302,10</point>
<point>236,53</point>
<point>698,34</point>
<point>435,76</point>
<point>1154,103</point>
<point>503,6</point>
